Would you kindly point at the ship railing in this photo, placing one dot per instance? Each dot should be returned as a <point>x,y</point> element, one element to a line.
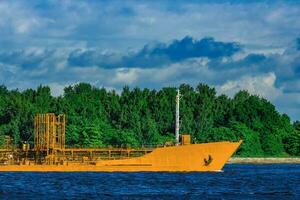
<point>115,147</point>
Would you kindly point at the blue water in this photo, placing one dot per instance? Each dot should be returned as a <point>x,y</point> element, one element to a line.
<point>235,182</point>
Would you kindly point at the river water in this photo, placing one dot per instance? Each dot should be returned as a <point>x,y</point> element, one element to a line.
<point>235,182</point>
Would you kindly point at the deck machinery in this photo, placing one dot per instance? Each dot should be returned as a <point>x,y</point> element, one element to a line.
<point>49,147</point>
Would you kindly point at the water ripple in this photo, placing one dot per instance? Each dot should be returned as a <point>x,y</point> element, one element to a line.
<point>235,182</point>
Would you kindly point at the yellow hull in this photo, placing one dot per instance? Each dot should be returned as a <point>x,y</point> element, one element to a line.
<point>184,158</point>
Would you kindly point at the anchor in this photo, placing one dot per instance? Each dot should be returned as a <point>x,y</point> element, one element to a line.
<point>208,161</point>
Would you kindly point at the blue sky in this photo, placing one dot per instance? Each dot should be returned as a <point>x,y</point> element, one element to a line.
<point>231,45</point>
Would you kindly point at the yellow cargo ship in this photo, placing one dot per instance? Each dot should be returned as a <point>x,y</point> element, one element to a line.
<point>183,158</point>
<point>50,154</point>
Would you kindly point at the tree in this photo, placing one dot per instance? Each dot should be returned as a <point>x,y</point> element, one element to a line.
<point>251,145</point>
<point>204,111</point>
<point>98,117</point>
<point>292,140</point>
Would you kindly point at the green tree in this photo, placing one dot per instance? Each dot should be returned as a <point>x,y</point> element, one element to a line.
<point>251,145</point>
<point>204,111</point>
<point>98,117</point>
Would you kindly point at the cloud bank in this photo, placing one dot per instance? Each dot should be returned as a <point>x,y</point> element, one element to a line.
<point>156,55</point>
<point>230,45</point>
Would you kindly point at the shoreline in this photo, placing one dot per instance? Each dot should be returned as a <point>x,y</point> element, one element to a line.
<point>236,160</point>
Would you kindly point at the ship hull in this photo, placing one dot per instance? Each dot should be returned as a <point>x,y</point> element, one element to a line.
<point>204,157</point>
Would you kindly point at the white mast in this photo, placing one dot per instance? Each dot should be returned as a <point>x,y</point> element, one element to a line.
<point>177,117</point>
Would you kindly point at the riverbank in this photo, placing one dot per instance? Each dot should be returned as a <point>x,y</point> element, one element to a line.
<point>236,160</point>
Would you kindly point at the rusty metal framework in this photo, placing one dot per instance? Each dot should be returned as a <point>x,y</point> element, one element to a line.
<point>49,147</point>
<point>49,132</point>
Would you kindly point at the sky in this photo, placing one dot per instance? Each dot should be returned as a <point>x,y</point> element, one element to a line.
<point>230,45</point>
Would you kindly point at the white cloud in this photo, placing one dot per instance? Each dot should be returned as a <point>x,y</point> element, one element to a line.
<point>26,25</point>
<point>262,85</point>
<point>17,18</point>
<point>57,89</point>
<point>105,24</point>
<point>125,76</point>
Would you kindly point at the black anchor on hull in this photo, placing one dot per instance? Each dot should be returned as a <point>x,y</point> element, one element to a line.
<point>208,161</point>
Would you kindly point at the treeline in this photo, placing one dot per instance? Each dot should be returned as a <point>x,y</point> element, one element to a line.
<point>97,117</point>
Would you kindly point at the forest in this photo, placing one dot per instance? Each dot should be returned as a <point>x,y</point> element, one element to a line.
<point>97,117</point>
